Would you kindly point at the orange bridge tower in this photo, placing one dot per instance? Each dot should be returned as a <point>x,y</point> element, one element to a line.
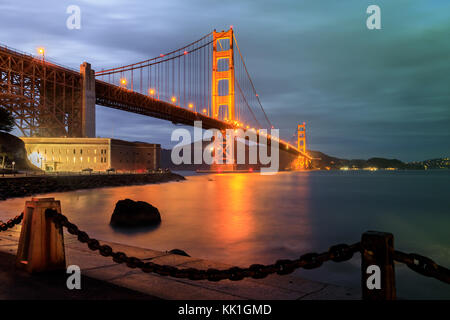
<point>222,92</point>
<point>302,162</point>
<point>223,75</point>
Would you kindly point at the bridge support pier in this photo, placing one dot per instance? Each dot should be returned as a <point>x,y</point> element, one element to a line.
<point>87,101</point>
<point>224,150</point>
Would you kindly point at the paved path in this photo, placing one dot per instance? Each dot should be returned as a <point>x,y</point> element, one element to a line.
<point>106,279</point>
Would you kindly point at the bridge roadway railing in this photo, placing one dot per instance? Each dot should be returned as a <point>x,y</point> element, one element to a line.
<point>376,249</point>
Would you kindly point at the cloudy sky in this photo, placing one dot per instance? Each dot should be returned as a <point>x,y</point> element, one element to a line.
<point>362,92</point>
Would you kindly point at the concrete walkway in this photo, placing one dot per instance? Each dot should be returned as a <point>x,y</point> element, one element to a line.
<point>123,282</point>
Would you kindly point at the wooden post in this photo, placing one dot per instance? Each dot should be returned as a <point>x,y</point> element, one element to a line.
<point>378,250</point>
<point>41,243</point>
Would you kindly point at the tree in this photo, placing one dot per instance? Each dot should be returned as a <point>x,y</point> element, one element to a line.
<point>6,120</point>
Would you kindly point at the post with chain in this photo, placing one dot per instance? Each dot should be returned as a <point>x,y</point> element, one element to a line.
<point>377,249</point>
<point>41,243</point>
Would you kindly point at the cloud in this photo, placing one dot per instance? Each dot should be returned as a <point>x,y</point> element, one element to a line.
<point>362,93</point>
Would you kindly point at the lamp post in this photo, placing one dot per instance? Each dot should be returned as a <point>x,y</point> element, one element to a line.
<point>41,51</point>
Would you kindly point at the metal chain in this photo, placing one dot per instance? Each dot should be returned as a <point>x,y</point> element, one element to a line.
<point>11,222</point>
<point>337,253</point>
<point>423,265</point>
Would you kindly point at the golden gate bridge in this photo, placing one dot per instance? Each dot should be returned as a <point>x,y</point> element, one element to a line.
<point>206,80</point>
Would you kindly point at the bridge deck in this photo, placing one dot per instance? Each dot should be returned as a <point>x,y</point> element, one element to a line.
<point>64,109</point>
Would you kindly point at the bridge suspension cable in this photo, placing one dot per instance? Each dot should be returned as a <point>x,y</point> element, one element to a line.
<point>251,82</point>
<point>183,77</point>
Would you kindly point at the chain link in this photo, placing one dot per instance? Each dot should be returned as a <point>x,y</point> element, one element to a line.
<point>11,222</point>
<point>338,253</point>
<point>423,265</point>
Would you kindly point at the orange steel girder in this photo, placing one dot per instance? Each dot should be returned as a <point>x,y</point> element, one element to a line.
<point>221,51</point>
<point>43,98</point>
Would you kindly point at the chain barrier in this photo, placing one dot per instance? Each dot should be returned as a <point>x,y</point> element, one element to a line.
<point>423,265</point>
<point>11,222</point>
<point>337,253</point>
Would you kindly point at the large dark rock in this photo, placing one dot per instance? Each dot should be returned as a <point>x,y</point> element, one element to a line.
<point>129,213</point>
<point>179,252</point>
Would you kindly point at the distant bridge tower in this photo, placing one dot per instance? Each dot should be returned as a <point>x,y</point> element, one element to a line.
<point>302,162</point>
<point>301,137</point>
<point>223,75</point>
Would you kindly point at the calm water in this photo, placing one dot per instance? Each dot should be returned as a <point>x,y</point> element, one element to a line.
<point>248,218</point>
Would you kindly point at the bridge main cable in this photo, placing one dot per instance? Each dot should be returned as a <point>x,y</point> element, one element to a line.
<point>138,65</point>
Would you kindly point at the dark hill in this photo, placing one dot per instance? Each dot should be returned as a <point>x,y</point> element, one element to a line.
<point>13,149</point>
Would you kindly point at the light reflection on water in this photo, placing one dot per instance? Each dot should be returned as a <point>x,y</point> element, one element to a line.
<point>249,218</point>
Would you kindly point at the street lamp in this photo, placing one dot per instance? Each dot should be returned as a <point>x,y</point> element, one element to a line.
<point>41,51</point>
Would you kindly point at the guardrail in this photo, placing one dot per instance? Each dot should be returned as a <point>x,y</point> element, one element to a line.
<point>41,248</point>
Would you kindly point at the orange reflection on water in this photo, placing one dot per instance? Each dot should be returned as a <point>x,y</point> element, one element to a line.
<point>234,210</point>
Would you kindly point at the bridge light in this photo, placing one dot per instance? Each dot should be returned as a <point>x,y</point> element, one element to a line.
<point>173,99</point>
<point>247,127</point>
<point>151,91</point>
<point>185,52</point>
<point>190,105</point>
<point>204,110</point>
<point>41,51</point>
<point>161,55</point>
<point>123,81</point>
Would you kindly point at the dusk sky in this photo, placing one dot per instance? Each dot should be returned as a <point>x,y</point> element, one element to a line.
<point>362,93</point>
